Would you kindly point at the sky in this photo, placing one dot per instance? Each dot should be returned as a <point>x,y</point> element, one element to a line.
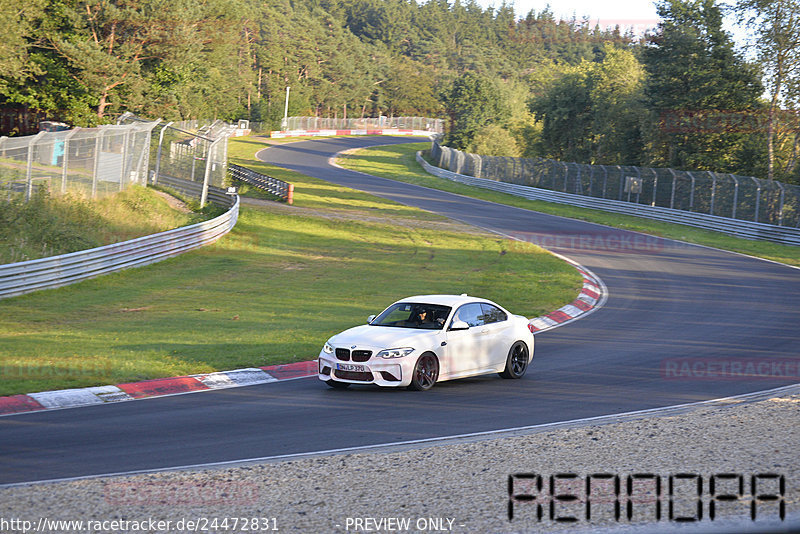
<point>623,12</point>
<point>637,14</point>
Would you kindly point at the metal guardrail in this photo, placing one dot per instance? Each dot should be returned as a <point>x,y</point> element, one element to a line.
<point>57,271</point>
<point>725,195</point>
<point>737,227</point>
<point>273,186</point>
<point>194,189</point>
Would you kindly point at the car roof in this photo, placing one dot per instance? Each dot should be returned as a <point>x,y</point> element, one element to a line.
<point>444,300</point>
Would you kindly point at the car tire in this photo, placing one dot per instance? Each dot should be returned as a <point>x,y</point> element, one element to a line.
<point>426,372</point>
<point>335,384</point>
<point>517,361</point>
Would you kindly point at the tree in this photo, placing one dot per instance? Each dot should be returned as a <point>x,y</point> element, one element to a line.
<point>693,71</point>
<point>408,89</point>
<point>18,20</point>
<point>592,113</point>
<point>616,94</point>
<point>494,140</point>
<point>472,102</point>
<point>777,29</point>
<point>565,112</point>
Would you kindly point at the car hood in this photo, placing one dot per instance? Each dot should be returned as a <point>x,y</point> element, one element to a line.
<point>384,337</point>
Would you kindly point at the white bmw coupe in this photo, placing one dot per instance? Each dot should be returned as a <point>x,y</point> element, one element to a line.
<point>421,340</point>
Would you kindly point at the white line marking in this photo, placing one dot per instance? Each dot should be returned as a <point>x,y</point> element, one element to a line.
<point>443,440</point>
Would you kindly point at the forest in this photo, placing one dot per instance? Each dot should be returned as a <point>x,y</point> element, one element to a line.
<point>682,95</point>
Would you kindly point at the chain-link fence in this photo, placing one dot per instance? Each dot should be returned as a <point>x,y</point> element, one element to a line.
<point>198,155</point>
<point>380,123</point>
<point>87,161</point>
<point>725,195</point>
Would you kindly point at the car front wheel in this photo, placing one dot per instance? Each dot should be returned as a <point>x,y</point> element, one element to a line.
<point>426,372</point>
<point>517,361</point>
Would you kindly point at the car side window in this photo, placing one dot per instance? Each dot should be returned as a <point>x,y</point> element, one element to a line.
<point>472,314</point>
<point>492,314</point>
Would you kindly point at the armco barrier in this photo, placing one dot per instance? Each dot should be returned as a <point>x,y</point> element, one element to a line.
<point>273,186</point>
<point>329,133</point>
<point>737,227</point>
<point>194,189</point>
<point>56,271</point>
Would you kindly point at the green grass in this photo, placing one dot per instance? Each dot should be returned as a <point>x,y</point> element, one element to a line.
<point>398,163</point>
<point>50,225</point>
<point>272,291</point>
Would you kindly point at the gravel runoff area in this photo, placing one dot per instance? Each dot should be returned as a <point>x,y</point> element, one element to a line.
<point>462,485</point>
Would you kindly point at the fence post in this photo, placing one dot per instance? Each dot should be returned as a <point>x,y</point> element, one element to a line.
<point>713,190</point>
<point>29,169</point>
<point>672,196</point>
<point>65,161</point>
<point>207,174</point>
<point>691,194</point>
<point>158,153</point>
<point>605,180</point>
<point>758,195</point>
<point>96,167</point>
<point>125,140</point>
<point>655,186</point>
<point>735,194</point>
<point>780,207</point>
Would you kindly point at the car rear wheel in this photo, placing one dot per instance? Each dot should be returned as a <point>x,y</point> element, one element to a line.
<point>426,372</point>
<point>517,361</point>
<point>337,385</point>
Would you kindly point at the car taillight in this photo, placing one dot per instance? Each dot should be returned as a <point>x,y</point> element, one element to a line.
<point>531,328</point>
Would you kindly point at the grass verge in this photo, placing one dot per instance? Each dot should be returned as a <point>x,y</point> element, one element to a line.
<point>51,225</point>
<point>272,291</point>
<point>398,162</point>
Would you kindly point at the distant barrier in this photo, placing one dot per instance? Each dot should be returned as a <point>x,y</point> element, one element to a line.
<point>331,133</point>
<point>747,229</point>
<point>273,186</point>
<point>716,194</point>
<point>426,124</point>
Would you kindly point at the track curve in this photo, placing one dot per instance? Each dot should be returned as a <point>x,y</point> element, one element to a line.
<point>667,302</point>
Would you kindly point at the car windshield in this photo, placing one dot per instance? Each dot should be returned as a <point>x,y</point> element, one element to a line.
<point>413,315</point>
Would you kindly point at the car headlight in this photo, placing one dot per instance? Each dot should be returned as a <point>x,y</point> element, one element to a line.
<point>327,349</point>
<point>395,353</point>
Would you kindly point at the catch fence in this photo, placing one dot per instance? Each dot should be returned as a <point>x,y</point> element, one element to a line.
<point>379,123</point>
<point>705,192</point>
<point>88,161</point>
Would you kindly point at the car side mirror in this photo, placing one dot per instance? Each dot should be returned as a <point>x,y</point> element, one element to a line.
<point>459,325</point>
<point>370,319</point>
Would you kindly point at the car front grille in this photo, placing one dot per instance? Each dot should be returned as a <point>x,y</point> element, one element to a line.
<point>361,355</point>
<point>354,375</point>
<point>357,355</point>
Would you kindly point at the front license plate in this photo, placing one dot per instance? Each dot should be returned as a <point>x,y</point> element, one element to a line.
<point>351,367</point>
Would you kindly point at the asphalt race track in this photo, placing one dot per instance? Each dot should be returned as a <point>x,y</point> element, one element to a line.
<point>669,304</point>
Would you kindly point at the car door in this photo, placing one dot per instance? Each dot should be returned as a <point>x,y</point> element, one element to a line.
<point>497,334</point>
<point>467,350</point>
